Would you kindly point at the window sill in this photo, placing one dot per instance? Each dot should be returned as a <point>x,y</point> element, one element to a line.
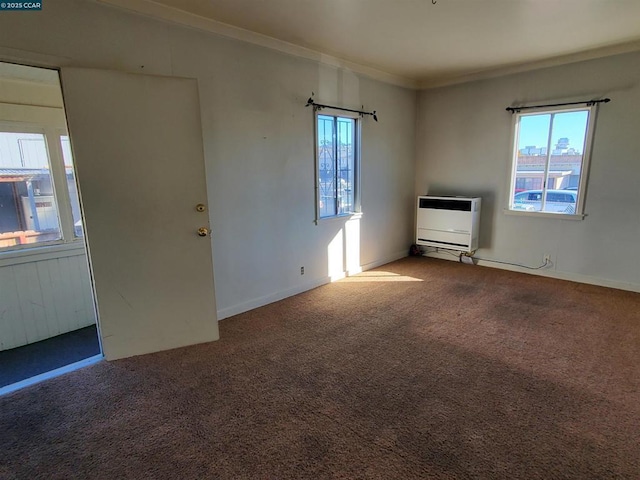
<point>346,216</point>
<point>560,216</point>
<point>40,253</point>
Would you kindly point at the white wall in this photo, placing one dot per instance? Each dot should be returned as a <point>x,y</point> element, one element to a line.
<point>258,140</point>
<point>464,147</point>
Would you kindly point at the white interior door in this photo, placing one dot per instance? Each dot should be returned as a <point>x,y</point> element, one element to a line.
<point>137,145</point>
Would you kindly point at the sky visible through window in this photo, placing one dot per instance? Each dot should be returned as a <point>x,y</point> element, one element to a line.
<point>534,130</point>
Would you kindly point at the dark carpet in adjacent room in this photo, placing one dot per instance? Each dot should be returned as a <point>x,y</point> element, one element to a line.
<point>33,359</point>
<point>421,368</point>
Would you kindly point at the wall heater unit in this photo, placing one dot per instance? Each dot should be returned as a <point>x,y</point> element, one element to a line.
<point>448,222</point>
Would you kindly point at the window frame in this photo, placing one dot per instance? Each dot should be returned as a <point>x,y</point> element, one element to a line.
<point>357,133</point>
<point>52,135</point>
<point>579,213</point>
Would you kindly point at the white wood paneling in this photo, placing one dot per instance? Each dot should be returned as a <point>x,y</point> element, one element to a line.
<point>44,298</point>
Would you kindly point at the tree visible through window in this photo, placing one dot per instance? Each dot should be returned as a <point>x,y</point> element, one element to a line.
<point>336,165</point>
<point>550,160</point>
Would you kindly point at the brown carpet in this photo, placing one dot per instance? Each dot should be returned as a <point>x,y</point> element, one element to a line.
<point>422,368</point>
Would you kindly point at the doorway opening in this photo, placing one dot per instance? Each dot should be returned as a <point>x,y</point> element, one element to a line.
<point>47,309</point>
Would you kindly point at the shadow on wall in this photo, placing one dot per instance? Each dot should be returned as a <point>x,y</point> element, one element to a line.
<point>487,209</point>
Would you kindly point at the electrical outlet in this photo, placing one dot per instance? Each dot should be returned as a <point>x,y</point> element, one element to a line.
<point>301,270</point>
<point>547,259</point>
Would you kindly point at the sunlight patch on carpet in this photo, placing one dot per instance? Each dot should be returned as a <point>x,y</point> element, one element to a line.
<point>380,277</point>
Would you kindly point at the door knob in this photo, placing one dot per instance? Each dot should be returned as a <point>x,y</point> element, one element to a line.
<point>203,231</point>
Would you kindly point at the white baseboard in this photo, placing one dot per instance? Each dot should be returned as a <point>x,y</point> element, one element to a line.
<point>549,272</point>
<point>303,287</point>
<point>385,260</point>
<point>274,297</point>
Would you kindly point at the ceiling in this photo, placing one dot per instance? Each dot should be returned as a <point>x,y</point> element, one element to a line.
<point>416,42</point>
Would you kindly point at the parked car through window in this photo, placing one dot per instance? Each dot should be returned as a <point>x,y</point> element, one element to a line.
<point>557,201</point>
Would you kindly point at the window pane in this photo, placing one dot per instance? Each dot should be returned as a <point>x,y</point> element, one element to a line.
<point>326,166</point>
<point>71,185</point>
<point>531,158</point>
<point>345,165</point>
<point>567,152</point>
<point>28,210</point>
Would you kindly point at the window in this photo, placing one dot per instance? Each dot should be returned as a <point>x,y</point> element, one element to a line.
<point>38,196</point>
<point>550,160</point>
<point>71,185</point>
<point>337,164</point>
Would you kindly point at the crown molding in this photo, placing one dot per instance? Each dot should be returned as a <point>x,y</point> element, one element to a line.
<point>627,47</point>
<point>158,11</point>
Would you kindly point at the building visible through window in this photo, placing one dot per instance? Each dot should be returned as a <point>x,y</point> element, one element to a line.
<point>30,199</point>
